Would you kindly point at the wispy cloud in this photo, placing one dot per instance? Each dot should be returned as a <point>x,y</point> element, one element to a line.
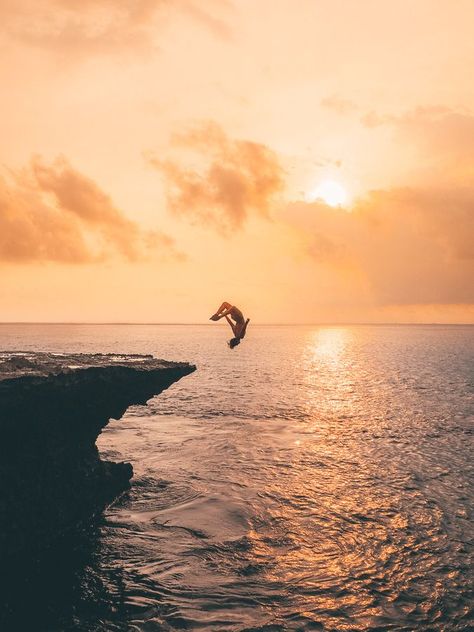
<point>442,133</point>
<point>444,136</point>
<point>339,104</point>
<point>81,28</point>
<point>55,213</point>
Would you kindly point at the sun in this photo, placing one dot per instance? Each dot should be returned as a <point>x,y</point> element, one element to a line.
<point>330,192</point>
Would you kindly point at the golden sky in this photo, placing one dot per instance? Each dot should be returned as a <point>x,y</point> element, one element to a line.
<point>308,160</point>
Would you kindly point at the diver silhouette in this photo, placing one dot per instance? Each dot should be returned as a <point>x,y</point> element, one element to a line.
<point>239,326</point>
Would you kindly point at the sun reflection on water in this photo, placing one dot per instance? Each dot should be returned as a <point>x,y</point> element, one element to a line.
<point>329,373</point>
<point>329,344</point>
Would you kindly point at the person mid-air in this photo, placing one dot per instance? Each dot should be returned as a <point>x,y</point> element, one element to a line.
<point>239,326</point>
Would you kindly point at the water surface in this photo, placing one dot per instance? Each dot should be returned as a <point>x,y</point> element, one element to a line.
<point>315,478</point>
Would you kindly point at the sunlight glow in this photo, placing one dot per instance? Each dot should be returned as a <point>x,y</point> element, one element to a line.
<point>330,192</point>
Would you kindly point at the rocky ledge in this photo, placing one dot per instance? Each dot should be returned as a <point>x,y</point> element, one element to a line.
<point>52,409</point>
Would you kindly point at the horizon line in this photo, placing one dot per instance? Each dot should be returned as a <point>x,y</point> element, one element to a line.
<point>313,324</point>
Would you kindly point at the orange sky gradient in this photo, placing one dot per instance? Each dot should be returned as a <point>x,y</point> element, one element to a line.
<point>159,157</point>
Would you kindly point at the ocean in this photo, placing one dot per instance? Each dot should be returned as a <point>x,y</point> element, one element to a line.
<point>313,478</point>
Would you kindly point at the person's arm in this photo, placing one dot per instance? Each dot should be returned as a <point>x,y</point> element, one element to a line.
<point>244,328</point>
<point>230,323</point>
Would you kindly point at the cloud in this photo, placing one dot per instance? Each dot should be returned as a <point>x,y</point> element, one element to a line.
<point>206,14</point>
<point>80,28</point>
<point>239,178</point>
<point>339,104</point>
<point>444,135</point>
<point>408,245</point>
<point>54,213</point>
<point>412,244</point>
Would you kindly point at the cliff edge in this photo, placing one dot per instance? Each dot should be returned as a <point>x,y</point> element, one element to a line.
<point>52,409</point>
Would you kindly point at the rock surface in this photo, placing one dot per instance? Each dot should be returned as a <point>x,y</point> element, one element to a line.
<point>52,409</point>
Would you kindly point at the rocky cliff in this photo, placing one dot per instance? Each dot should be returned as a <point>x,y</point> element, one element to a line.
<point>52,409</point>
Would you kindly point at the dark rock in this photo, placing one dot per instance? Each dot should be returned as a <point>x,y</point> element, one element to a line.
<point>52,409</point>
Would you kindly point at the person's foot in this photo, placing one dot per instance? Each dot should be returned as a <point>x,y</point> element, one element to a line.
<point>214,317</point>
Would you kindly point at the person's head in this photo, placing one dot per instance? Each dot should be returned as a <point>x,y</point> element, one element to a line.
<point>233,342</point>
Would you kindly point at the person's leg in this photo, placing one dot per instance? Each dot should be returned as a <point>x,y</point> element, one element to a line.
<point>224,307</point>
<point>222,311</point>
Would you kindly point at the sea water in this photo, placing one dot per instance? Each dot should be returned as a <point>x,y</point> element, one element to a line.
<point>313,478</point>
